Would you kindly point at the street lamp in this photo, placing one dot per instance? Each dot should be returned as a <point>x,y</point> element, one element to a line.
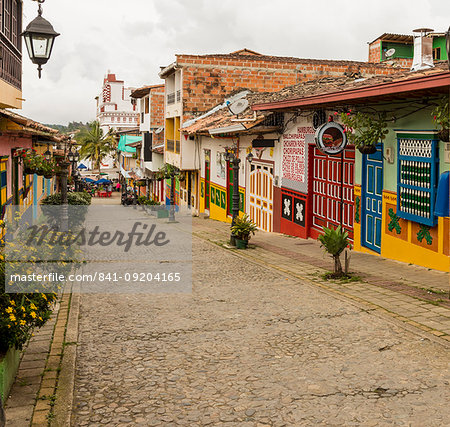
<point>231,155</point>
<point>48,154</point>
<point>250,157</point>
<point>39,38</point>
<point>174,172</point>
<point>73,158</point>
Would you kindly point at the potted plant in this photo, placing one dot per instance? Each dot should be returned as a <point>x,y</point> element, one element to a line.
<point>364,130</point>
<point>30,161</point>
<point>242,229</point>
<point>441,118</point>
<point>46,168</point>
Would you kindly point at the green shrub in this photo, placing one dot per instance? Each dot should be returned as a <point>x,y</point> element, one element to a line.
<point>81,198</point>
<point>334,241</point>
<point>142,200</point>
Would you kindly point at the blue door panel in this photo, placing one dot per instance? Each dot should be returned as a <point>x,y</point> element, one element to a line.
<point>372,204</point>
<point>378,232</point>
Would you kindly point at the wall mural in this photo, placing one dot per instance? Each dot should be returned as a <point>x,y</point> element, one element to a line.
<point>394,224</point>
<point>293,209</point>
<point>299,212</point>
<point>219,198</point>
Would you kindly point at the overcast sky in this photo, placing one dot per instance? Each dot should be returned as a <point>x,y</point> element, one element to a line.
<point>133,38</point>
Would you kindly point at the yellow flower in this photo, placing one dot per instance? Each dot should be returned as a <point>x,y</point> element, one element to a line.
<point>33,315</point>
<point>44,296</point>
<point>12,317</point>
<point>22,308</point>
<point>33,307</point>
<point>9,326</point>
<point>22,323</point>
<point>40,318</point>
<point>9,310</point>
<point>13,302</point>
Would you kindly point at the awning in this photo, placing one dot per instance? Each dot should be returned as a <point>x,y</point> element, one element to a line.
<point>128,139</point>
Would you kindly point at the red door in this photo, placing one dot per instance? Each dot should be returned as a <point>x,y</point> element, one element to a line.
<point>332,191</point>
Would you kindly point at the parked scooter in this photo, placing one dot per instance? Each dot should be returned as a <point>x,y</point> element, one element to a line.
<point>127,199</point>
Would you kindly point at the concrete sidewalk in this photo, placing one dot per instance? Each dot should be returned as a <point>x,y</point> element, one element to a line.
<point>415,295</point>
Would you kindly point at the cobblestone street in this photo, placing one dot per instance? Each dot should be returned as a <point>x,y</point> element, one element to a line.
<point>251,347</point>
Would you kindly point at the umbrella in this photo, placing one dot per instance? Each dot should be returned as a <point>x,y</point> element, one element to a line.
<point>103,181</point>
<point>89,179</point>
<point>82,166</point>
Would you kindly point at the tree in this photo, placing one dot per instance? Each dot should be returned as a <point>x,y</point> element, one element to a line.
<point>334,241</point>
<point>95,146</point>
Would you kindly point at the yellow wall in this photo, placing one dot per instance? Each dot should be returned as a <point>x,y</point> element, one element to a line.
<point>218,201</point>
<point>403,244</point>
<point>10,97</point>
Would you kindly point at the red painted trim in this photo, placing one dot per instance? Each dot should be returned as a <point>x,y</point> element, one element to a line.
<point>276,223</point>
<point>382,89</point>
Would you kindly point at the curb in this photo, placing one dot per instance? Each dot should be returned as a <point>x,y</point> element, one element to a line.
<point>62,410</point>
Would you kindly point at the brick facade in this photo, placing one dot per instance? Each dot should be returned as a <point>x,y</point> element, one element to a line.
<point>207,79</point>
<point>375,51</point>
<point>156,100</point>
<point>375,56</point>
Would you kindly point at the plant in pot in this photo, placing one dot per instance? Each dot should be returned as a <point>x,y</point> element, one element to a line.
<point>365,130</point>
<point>46,168</point>
<point>31,162</point>
<point>441,118</point>
<point>243,228</point>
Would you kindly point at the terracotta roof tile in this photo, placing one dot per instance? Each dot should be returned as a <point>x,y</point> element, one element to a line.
<point>224,118</point>
<point>260,57</point>
<point>32,126</point>
<point>144,90</point>
<point>327,85</point>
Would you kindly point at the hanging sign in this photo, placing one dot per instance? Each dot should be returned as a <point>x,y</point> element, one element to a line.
<point>331,138</point>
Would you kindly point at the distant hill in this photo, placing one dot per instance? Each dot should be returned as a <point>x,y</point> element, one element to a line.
<point>72,126</point>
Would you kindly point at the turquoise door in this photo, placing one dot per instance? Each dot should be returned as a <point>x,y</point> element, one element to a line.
<point>372,200</point>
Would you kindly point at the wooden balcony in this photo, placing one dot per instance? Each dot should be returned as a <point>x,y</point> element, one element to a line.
<point>10,64</point>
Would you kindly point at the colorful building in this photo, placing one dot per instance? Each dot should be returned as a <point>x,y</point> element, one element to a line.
<point>195,84</point>
<point>150,105</point>
<point>387,200</point>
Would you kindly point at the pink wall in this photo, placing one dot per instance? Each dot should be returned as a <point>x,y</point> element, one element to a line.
<point>7,143</point>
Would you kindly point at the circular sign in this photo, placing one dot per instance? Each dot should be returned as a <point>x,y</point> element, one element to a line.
<point>331,138</point>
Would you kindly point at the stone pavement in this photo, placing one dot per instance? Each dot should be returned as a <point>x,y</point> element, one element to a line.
<point>418,296</point>
<point>252,346</point>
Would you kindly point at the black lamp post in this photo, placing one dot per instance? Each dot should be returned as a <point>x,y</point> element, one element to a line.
<point>39,38</point>
<point>174,172</point>
<point>48,154</point>
<point>231,155</point>
<point>73,158</point>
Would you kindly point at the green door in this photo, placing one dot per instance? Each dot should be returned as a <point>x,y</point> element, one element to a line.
<point>207,183</point>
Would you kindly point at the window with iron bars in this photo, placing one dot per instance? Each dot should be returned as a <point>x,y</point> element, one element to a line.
<point>274,120</point>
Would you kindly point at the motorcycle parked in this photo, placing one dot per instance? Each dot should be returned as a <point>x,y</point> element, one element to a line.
<point>127,199</point>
